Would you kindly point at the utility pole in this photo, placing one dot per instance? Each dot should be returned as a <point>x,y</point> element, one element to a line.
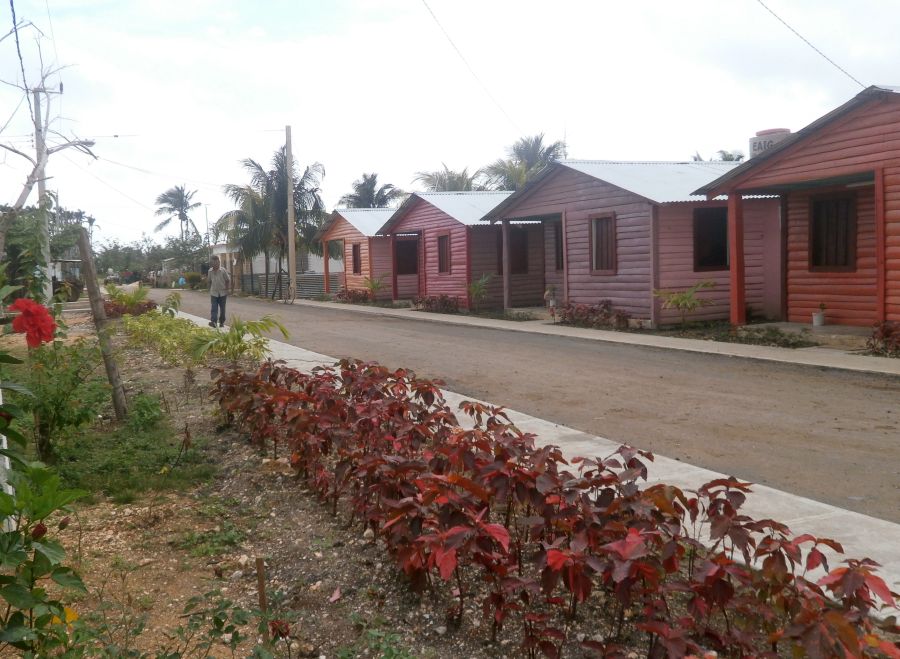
<point>292,227</point>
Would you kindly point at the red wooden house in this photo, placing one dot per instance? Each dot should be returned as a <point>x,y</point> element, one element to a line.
<point>441,246</point>
<point>365,254</point>
<point>619,231</point>
<point>839,183</point>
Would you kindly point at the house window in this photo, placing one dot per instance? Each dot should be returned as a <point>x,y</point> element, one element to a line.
<point>407,257</point>
<point>443,244</point>
<point>832,234</point>
<point>558,244</point>
<point>710,239</point>
<point>603,244</point>
<point>357,259</point>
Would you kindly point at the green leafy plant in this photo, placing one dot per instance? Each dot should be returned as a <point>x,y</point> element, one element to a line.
<point>244,339</point>
<point>478,291</point>
<point>374,286</point>
<point>132,302</point>
<point>686,301</point>
<point>174,338</point>
<point>172,305</point>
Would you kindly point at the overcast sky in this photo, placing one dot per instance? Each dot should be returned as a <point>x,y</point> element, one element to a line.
<point>193,86</point>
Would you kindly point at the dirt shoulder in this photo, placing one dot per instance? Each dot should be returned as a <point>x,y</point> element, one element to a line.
<point>827,435</point>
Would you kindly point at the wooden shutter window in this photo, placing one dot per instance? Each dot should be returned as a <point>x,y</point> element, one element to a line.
<point>832,234</point>
<point>443,243</point>
<point>603,245</point>
<point>357,259</point>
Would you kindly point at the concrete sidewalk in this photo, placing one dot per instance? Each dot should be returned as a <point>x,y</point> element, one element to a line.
<point>816,357</point>
<point>860,535</point>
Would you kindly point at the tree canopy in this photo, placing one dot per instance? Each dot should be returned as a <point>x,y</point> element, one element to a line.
<point>368,194</point>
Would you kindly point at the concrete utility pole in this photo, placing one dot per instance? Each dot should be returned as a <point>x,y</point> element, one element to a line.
<point>292,228</point>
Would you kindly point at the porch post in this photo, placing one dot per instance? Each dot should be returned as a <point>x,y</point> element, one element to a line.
<point>394,268</point>
<point>325,261</point>
<point>880,248</point>
<point>736,258</point>
<point>505,238</point>
<point>565,251</point>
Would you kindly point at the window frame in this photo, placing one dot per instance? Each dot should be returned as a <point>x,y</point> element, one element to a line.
<point>709,268</point>
<point>356,258</point>
<point>592,224</point>
<point>852,231</point>
<point>449,261</point>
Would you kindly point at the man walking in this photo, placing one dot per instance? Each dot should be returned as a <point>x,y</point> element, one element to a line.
<point>219,287</point>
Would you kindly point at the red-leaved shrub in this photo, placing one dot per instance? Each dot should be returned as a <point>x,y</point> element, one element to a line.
<point>595,316</point>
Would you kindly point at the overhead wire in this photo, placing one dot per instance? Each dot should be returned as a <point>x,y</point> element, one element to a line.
<point>109,185</point>
<point>471,70</point>
<point>808,43</point>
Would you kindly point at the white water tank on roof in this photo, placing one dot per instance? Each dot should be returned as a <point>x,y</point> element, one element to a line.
<point>766,139</point>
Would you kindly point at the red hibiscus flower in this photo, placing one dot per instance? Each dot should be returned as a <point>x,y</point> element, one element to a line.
<point>34,320</point>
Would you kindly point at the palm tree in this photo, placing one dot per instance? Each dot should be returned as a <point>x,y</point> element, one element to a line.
<point>367,194</point>
<point>259,224</point>
<point>730,156</point>
<point>448,180</point>
<point>525,159</point>
<point>176,202</point>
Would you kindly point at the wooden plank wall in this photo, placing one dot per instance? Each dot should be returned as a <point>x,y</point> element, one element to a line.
<point>483,253</point>
<point>892,241</point>
<point>849,297</point>
<point>382,263</point>
<point>581,196</point>
<point>341,229</point>
<point>761,263</point>
<point>432,222</point>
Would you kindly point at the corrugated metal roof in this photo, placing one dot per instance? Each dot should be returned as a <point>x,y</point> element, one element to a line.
<point>660,182</point>
<point>465,207</point>
<point>366,220</point>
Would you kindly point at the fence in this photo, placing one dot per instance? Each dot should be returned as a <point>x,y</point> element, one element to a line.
<point>309,285</point>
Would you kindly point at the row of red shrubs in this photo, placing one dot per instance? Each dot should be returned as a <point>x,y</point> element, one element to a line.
<point>119,309</point>
<point>541,540</point>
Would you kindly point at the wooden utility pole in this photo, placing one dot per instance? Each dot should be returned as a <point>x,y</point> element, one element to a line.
<point>41,148</point>
<point>90,283</point>
<point>292,228</point>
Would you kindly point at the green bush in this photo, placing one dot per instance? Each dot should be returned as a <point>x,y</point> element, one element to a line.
<point>174,338</point>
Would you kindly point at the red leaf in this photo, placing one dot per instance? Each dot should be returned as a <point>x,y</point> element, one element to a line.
<point>336,595</point>
<point>446,563</point>
<point>877,586</point>
<point>556,559</point>
<point>815,559</point>
<point>499,533</point>
<point>632,546</point>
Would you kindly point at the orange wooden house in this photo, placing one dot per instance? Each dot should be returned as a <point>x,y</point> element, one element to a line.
<point>365,255</point>
<point>839,183</point>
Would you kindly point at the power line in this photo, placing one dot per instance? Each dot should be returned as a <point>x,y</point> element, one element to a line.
<point>217,186</point>
<point>471,70</point>
<point>109,185</point>
<point>807,42</point>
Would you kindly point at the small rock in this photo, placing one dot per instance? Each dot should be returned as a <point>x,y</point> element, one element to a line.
<point>318,554</point>
<point>369,534</point>
<point>316,586</point>
<point>237,575</point>
<point>441,630</point>
<point>580,637</point>
<point>243,560</point>
<point>226,638</point>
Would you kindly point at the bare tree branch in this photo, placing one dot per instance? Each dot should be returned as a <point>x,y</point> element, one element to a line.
<point>17,152</point>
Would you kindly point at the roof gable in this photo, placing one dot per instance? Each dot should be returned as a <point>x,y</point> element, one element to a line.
<point>366,220</point>
<point>826,128</point>
<point>467,208</point>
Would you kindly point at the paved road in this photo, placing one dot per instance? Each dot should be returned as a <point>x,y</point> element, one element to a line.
<point>829,435</point>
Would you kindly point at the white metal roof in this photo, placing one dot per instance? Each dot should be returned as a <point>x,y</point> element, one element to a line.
<point>366,220</point>
<point>465,207</point>
<point>657,181</point>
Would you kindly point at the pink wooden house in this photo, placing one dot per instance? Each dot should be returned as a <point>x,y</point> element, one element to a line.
<point>839,182</point>
<point>619,231</point>
<point>441,246</point>
<point>365,254</point>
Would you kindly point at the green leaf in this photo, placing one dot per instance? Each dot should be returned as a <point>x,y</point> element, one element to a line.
<point>17,634</point>
<point>67,577</point>
<point>18,596</point>
<point>12,550</point>
<point>6,358</point>
<point>52,550</point>
<point>15,386</point>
